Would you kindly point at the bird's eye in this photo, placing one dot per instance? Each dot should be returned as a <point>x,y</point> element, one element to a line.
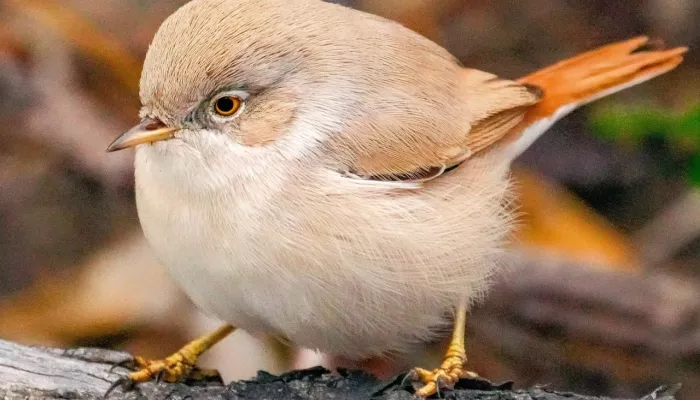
<point>226,106</point>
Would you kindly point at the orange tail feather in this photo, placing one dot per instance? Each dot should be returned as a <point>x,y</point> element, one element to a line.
<point>572,83</point>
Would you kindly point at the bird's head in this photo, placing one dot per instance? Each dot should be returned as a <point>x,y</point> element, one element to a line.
<point>287,79</point>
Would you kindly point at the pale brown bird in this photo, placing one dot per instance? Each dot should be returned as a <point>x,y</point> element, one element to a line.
<point>327,176</point>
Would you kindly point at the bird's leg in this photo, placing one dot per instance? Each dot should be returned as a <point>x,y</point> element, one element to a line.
<point>177,366</point>
<point>181,363</point>
<point>452,368</point>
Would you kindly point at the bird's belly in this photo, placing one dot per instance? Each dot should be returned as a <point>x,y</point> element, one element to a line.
<point>254,283</point>
<point>326,271</point>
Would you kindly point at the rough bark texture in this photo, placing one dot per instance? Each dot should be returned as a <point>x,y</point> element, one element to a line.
<point>41,373</point>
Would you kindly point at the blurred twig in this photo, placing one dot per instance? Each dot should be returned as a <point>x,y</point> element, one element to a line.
<point>612,327</point>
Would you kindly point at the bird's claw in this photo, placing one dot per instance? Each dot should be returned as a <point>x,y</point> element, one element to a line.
<point>443,378</point>
<point>179,366</point>
<point>172,369</point>
<point>129,363</point>
<point>125,383</point>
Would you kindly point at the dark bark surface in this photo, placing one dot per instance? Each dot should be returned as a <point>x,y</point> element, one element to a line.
<point>42,373</point>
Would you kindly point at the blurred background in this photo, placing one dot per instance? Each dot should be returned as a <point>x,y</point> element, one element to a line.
<point>603,294</point>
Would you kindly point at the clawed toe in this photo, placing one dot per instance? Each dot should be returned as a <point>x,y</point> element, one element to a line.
<point>444,378</point>
<point>125,383</point>
<point>172,369</point>
<point>175,368</point>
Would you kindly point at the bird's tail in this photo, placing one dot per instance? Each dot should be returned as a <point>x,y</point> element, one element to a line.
<point>572,83</point>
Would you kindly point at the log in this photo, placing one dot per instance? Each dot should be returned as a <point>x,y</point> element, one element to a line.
<point>45,373</point>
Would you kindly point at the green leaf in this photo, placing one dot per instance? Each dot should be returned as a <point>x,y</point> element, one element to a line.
<point>630,124</point>
<point>694,170</point>
<point>688,126</point>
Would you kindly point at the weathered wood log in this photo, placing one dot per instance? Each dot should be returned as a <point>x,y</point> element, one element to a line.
<point>43,373</point>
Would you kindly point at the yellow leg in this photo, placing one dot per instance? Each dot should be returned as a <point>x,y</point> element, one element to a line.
<point>452,368</point>
<point>175,367</point>
<point>181,363</point>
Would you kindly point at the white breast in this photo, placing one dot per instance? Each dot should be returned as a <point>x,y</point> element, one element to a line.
<point>351,270</point>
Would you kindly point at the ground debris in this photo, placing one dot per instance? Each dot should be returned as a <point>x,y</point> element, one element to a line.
<point>43,373</point>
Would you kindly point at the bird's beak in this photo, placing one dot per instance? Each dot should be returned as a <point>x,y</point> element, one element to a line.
<point>148,131</point>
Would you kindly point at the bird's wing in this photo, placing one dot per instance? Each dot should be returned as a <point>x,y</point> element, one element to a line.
<point>509,116</point>
<point>494,105</point>
<point>497,105</point>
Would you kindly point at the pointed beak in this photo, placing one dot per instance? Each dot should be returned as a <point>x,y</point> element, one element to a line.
<point>148,131</point>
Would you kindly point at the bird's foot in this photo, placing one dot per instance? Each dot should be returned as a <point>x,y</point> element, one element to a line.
<point>179,366</point>
<point>176,368</point>
<point>444,378</point>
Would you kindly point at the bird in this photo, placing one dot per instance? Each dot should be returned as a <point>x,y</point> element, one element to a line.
<point>326,176</point>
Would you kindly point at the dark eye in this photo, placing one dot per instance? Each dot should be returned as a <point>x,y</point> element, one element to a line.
<point>226,106</point>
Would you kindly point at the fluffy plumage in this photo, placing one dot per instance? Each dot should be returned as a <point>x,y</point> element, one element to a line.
<point>267,220</point>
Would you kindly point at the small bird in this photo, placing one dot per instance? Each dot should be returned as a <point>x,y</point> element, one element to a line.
<point>329,177</point>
